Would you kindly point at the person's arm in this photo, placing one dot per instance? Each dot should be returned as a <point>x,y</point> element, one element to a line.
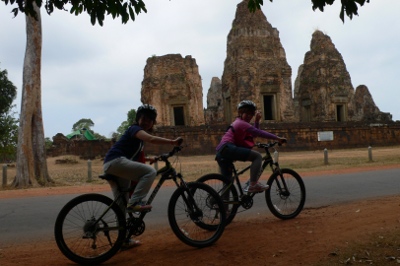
<point>146,137</point>
<point>255,132</point>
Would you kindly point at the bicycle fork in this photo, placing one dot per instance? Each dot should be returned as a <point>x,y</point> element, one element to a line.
<point>281,183</point>
<point>195,212</point>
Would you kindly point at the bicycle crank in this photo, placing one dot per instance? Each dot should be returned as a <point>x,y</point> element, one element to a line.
<point>136,226</point>
<point>246,201</point>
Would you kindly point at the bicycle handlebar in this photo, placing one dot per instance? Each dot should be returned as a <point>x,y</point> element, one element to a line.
<point>164,157</point>
<point>267,145</point>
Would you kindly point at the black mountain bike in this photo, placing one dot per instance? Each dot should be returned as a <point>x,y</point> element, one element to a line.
<point>285,197</point>
<point>91,228</point>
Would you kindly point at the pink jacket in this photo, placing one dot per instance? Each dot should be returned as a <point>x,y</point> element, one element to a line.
<point>241,134</point>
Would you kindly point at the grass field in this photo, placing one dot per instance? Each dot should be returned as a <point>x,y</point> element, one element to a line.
<point>75,172</point>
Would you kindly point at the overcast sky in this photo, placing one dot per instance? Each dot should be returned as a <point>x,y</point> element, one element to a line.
<point>96,72</point>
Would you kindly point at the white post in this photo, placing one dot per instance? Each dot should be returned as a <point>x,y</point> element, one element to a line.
<point>4,175</point>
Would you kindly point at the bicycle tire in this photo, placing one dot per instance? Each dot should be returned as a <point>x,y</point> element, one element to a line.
<point>218,182</point>
<point>82,240</point>
<point>199,229</point>
<point>286,205</point>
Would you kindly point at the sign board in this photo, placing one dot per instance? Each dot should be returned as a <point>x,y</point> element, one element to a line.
<point>325,136</point>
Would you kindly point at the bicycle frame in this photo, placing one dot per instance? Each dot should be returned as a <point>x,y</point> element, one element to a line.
<point>167,172</point>
<point>267,160</point>
<point>285,195</point>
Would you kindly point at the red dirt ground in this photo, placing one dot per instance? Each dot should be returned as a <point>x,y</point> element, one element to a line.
<point>260,240</point>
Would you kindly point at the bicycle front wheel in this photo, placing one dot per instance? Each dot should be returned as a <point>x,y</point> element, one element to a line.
<point>88,230</point>
<point>227,192</point>
<point>286,194</point>
<point>194,215</point>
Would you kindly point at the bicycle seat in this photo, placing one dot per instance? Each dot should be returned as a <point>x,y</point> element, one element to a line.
<point>221,159</point>
<point>107,176</point>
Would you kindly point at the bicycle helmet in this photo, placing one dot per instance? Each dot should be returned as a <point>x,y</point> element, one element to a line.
<point>247,104</point>
<point>147,110</point>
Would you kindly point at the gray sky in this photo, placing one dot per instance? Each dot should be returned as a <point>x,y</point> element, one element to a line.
<point>96,72</point>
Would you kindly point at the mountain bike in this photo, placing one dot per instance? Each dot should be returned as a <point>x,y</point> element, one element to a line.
<point>91,228</point>
<point>285,196</point>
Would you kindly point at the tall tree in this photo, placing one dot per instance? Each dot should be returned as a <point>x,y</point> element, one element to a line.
<point>31,151</point>
<point>8,124</point>
<point>127,8</point>
<point>86,123</point>
<point>349,7</point>
<point>8,136</point>
<point>8,92</point>
<point>131,116</point>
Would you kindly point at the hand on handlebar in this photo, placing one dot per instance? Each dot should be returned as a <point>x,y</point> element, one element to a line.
<point>282,140</point>
<point>178,141</point>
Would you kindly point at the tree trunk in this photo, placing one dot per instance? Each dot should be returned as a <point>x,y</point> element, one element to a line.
<point>31,152</point>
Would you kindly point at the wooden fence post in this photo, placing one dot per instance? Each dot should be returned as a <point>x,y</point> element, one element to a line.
<point>4,175</point>
<point>326,156</point>
<point>370,153</point>
<point>89,163</point>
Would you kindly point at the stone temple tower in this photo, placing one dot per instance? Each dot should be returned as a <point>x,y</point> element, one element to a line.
<point>256,68</point>
<point>323,89</point>
<point>172,84</point>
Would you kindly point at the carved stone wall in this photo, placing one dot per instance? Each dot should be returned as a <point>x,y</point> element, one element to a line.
<point>85,149</point>
<point>172,84</point>
<point>202,140</point>
<point>256,68</point>
<point>301,136</point>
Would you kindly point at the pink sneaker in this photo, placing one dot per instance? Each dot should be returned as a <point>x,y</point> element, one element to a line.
<point>257,188</point>
<point>138,207</point>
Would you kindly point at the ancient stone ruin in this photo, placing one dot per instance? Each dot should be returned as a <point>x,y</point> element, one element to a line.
<point>214,114</point>
<point>256,68</point>
<point>365,108</point>
<point>172,84</point>
<point>323,90</point>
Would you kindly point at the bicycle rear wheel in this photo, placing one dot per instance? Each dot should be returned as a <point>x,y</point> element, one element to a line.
<point>286,194</point>
<point>88,230</point>
<point>194,215</point>
<point>227,192</point>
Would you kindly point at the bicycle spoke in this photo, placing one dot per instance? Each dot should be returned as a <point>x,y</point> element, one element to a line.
<point>286,199</point>
<point>227,193</point>
<point>82,237</point>
<point>199,225</point>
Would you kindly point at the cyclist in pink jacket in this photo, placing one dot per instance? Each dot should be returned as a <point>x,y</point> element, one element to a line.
<point>237,143</point>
